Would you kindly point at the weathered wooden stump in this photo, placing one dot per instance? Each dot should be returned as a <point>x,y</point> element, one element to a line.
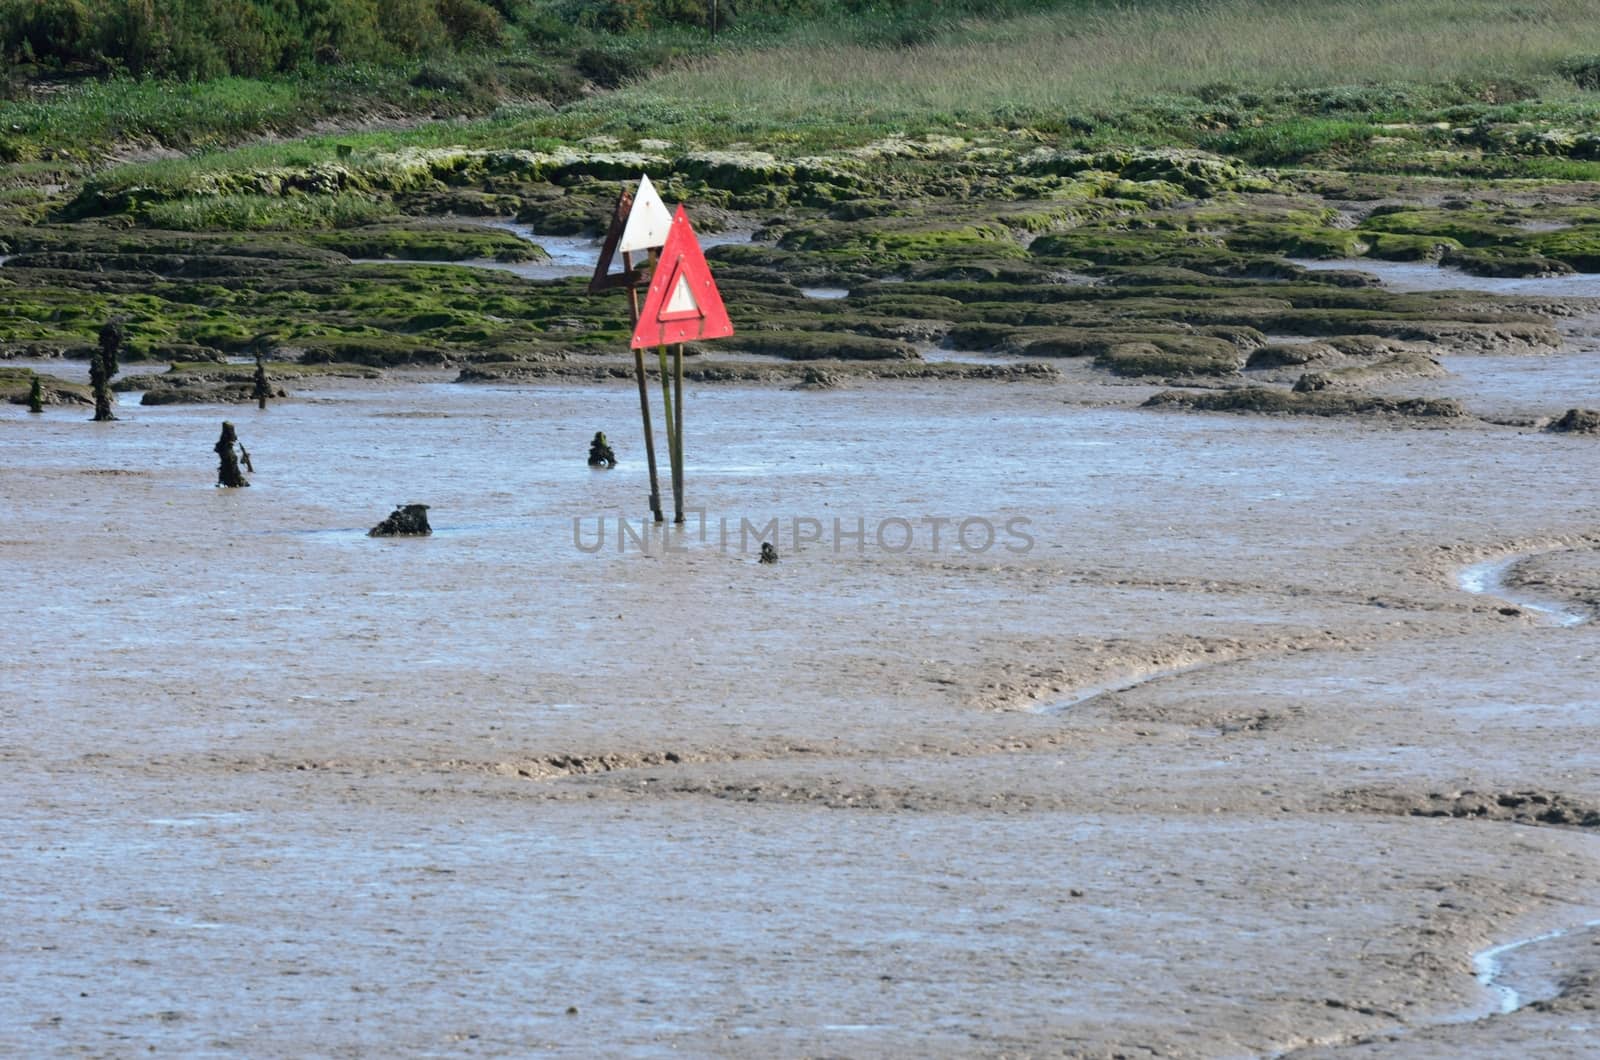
<point>228,473</point>
<point>407,520</point>
<point>263,388</point>
<point>103,368</point>
<point>600,454</point>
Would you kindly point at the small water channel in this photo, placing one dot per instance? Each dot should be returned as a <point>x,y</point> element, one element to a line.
<point>568,255</point>
<point>1489,966</point>
<point>1487,578</point>
<point>1423,276</point>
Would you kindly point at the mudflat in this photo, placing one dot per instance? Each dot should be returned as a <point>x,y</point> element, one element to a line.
<point>1244,735</point>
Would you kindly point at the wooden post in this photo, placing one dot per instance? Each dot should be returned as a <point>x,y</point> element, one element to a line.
<point>677,413</point>
<point>644,399</point>
<point>666,400</point>
<point>262,387</point>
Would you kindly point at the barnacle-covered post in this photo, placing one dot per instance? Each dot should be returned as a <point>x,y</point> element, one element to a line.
<point>600,454</point>
<point>228,473</point>
<point>262,389</point>
<point>103,368</point>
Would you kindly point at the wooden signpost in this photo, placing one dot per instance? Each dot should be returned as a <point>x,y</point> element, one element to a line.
<point>630,278</point>
<point>681,305</point>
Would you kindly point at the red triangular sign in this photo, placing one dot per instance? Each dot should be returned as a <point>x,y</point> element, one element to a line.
<point>683,304</point>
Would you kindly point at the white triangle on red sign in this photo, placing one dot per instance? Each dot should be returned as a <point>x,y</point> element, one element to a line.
<point>648,223</point>
<point>682,300</point>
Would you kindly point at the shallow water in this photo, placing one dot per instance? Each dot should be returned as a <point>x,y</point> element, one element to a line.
<point>1422,276</point>
<point>568,255</point>
<point>1489,965</point>
<point>938,354</point>
<point>1488,578</point>
<point>72,371</point>
<point>1527,384</point>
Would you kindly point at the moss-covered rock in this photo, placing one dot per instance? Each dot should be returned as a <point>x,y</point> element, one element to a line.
<point>16,386</point>
<point>373,351</point>
<point>1504,261</point>
<point>430,242</point>
<point>1172,356</point>
<point>1310,402</point>
<point>1397,247</point>
<point>821,345</point>
<point>1289,354</point>
<point>1196,172</point>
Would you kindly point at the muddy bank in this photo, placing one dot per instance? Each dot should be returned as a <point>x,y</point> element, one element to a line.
<point>822,374</point>
<point>1300,403</point>
<point>1568,576</point>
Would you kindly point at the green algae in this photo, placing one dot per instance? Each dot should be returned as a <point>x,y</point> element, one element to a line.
<point>1147,263</point>
<point>1268,401</point>
<point>1172,355</point>
<point>821,345</point>
<point>431,242</point>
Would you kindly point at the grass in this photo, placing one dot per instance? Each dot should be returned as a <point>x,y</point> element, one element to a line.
<point>1097,53</point>
<point>1288,142</point>
<point>1154,69</point>
<point>85,120</point>
<point>255,213</point>
<point>105,112</point>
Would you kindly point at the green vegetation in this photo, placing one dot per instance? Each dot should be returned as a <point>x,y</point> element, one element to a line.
<point>199,39</point>
<point>1120,183</point>
<point>1078,67</point>
<point>1270,83</point>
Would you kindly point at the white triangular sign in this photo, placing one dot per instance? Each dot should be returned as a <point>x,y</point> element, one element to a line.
<point>682,300</point>
<point>648,223</point>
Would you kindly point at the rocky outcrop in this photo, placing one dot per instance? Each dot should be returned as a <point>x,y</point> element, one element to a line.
<point>407,520</point>
<point>1577,421</point>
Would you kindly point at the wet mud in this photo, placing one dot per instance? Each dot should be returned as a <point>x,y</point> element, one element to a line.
<point>1233,700</point>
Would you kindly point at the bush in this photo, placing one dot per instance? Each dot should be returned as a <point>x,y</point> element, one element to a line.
<point>615,65</point>
<point>55,30</point>
<point>628,16</point>
<point>471,22</point>
<point>200,39</point>
<point>1582,70</point>
<point>412,26</point>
